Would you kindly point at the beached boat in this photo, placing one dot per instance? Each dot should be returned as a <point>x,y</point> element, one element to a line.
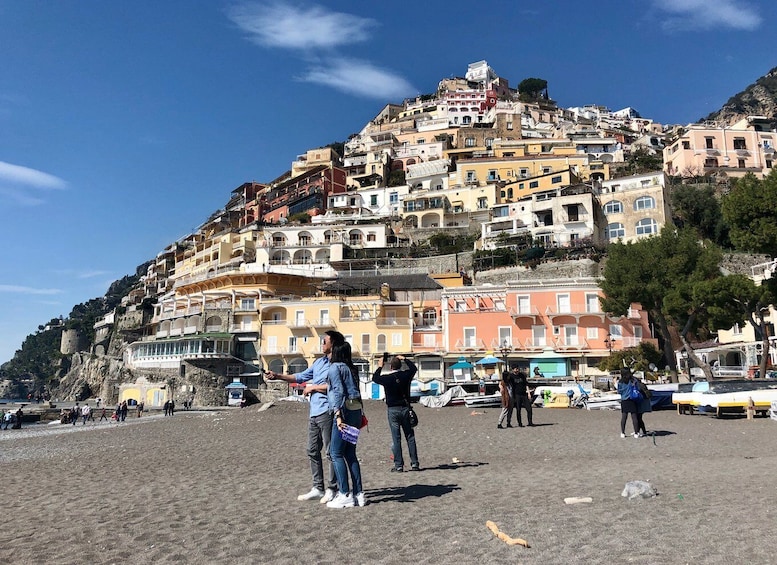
<point>483,400</point>
<point>725,397</point>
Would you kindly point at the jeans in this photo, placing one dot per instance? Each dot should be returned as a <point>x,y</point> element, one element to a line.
<point>507,412</point>
<point>319,434</point>
<point>397,418</point>
<point>344,454</point>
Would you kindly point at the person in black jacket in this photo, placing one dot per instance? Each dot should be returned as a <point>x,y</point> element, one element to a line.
<point>522,395</point>
<point>396,385</point>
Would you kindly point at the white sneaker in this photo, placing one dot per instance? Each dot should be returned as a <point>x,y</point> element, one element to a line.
<point>341,501</point>
<point>636,436</point>
<point>313,494</point>
<point>360,500</point>
<point>328,495</point>
<point>623,435</point>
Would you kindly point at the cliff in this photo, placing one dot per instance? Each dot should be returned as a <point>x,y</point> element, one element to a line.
<point>758,99</point>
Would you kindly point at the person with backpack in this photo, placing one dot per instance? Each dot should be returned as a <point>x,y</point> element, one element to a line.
<point>626,387</point>
<point>643,405</point>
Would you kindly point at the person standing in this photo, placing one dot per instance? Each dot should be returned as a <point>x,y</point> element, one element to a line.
<point>124,410</point>
<point>522,395</point>
<point>104,414</point>
<point>643,405</point>
<point>506,391</point>
<point>85,413</point>
<point>628,405</point>
<point>396,385</point>
<point>320,418</point>
<point>345,403</point>
<point>7,419</point>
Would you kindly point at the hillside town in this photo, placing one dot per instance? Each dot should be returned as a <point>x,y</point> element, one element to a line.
<point>333,243</point>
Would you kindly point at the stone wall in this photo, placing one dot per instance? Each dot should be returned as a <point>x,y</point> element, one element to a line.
<point>543,271</point>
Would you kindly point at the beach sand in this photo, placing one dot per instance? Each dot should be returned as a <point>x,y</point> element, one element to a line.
<point>221,487</point>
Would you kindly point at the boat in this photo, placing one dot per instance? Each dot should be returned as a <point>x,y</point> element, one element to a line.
<point>726,397</point>
<point>483,400</point>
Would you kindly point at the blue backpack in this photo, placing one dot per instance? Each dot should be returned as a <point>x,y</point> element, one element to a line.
<point>634,392</point>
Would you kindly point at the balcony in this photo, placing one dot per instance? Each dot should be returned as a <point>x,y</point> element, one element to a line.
<point>576,311</point>
<point>572,343</point>
<point>322,323</point>
<point>511,344</point>
<point>531,313</point>
<point>393,322</point>
<point>470,345</point>
<point>532,344</point>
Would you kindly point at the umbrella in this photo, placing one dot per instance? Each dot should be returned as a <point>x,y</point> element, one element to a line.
<point>462,364</point>
<point>488,360</point>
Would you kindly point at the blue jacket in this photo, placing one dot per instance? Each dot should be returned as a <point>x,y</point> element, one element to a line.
<point>341,386</point>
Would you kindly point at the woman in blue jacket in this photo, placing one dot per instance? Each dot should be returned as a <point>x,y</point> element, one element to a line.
<point>345,401</point>
<point>628,406</point>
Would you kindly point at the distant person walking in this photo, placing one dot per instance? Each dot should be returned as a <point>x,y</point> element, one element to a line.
<point>124,410</point>
<point>19,416</point>
<point>506,391</point>
<point>75,414</point>
<point>7,419</point>
<point>320,419</point>
<point>104,414</point>
<point>628,405</point>
<point>396,384</point>
<point>522,394</point>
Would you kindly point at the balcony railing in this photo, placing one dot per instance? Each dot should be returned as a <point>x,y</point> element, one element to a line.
<point>393,322</point>
<point>470,344</point>
<point>322,323</point>
<point>531,312</point>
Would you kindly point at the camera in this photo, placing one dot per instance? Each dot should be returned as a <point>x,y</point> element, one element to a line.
<point>385,356</point>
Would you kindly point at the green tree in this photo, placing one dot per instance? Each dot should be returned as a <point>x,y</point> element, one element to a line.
<point>749,210</point>
<point>641,161</point>
<point>533,89</point>
<point>659,273</point>
<point>699,208</point>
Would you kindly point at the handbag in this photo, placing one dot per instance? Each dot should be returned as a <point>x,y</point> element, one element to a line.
<point>412,417</point>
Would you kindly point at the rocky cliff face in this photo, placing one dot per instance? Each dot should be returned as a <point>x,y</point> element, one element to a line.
<point>758,99</point>
<point>92,376</point>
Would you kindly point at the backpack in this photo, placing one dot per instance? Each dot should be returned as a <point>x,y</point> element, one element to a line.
<point>634,392</point>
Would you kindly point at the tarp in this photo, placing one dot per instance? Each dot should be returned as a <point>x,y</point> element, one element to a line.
<point>443,399</point>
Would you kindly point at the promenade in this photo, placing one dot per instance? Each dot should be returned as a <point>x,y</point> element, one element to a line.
<point>221,487</point>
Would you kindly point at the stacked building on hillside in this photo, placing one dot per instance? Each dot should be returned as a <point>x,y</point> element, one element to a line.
<point>255,287</point>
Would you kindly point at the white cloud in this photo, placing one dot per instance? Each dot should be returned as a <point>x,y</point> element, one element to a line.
<point>276,24</point>
<point>704,15</point>
<point>91,274</point>
<point>18,182</point>
<point>17,289</point>
<point>361,78</point>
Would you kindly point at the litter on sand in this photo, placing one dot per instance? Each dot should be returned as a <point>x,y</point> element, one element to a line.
<point>504,537</point>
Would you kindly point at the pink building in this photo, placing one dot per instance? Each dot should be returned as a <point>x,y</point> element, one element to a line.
<point>556,325</point>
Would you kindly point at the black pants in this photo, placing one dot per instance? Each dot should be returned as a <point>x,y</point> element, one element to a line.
<point>523,402</point>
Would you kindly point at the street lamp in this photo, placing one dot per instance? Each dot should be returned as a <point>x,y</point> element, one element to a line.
<point>504,350</point>
<point>608,342</point>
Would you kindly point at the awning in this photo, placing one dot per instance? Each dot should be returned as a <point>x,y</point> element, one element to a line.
<point>462,364</point>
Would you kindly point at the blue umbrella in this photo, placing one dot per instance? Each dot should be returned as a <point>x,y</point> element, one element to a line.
<point>462,364</point>
<point>488,360</point>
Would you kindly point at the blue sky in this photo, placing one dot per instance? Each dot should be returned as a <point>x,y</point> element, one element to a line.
<point>123,125</point>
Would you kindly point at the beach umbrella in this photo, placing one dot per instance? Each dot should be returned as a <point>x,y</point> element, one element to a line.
<point>462,363</point>
<point>488,360</point>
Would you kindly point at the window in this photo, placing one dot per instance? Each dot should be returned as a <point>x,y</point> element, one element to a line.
<point>524,305</point>
<point>489,142</point>
<point>592,333</point>
<point>323,316</point>
<point>614,231</point>
<point>292,344</point>
<point>573,213</point>
<point>470,339</point>
<point>570,335</point>
<point>546,170</point>
<point>555,180</point>
<point>686,144</point>
<point>538,336</point>
<point>371,236</point>
<point>365,346</point>
<point>523,173</point>
<point>430,317</point>
<point>646,226</point>
<point>373,200</point>
<point>509,125</point>
<point>644,203</point>
<point>247,304</point>
<point>492,175</point>
<point>396,340</point>
<point>741,163</point>
<point>613,207</point>
<point>616,332</point>
<point>739,143</point>
<point>534,184</point>
<point>461,306</point>
<point>708,142</point>
<point>736,330</point>
<point>505,336</point>
<point>469,142</point>
<point>592,302</point>
<point>471,176</point>
<point>421,141</point>
<point>394,198</point>
<point>768,163</point>
<point>563,305</point>
<point>483,203</point>
<point>767,143</point>
<point>499,305</point>
<point>711,162</point>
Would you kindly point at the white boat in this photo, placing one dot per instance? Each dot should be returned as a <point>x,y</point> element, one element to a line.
<point>721,397</point>
<point>483,400</point>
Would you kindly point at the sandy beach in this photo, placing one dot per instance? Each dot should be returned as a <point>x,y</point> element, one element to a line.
<point>221,487</point>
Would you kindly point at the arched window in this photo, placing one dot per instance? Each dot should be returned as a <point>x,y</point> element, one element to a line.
<point>614,231</point>
<point>297,365</point>
<point>646,226</point>
<point>644,203</point>
<point>613,207</point>
<point>276,366</point>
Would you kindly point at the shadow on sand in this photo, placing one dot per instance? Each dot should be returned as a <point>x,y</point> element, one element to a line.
<point>408,493</point>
